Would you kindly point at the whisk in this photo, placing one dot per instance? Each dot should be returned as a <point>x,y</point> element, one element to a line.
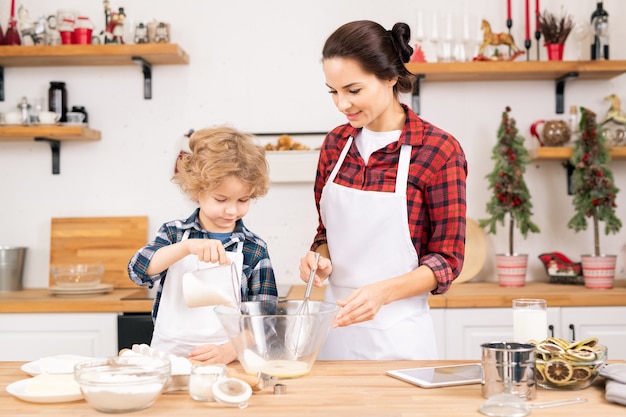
<point>304,307</point>
<point>302,320</point>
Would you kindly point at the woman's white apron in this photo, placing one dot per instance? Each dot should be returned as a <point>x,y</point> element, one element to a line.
<point>369,241</point>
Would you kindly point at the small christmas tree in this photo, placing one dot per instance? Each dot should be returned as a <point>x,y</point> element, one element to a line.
<point>592,180</point>
<point>510,194</point>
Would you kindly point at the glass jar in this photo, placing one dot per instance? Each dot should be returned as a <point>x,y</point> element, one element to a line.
<point>57,99</point>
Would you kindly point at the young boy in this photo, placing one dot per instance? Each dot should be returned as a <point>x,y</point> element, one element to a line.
<point>223,173</point>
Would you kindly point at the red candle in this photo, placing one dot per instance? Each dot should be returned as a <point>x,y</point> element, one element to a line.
<point>537,13</point>
<point>508,9</point>
<point>527,21</point>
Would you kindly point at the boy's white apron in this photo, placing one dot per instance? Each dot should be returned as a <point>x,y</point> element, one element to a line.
<point>369,241</point>
<point>179,328</point>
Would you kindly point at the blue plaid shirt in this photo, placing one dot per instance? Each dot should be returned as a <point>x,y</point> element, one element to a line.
<point>257,278</point>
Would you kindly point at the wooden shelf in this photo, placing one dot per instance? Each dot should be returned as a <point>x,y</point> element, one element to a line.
<point>145,55</point>
<point>53,135</point>
<point>56,132</point>
<point>516,71</point>
<point>565,153</point>
<point>558,71</point>
<point>90,55</point>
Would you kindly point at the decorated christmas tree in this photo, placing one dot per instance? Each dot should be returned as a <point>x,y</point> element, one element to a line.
<point>510,194</point>
<point>592,180</point>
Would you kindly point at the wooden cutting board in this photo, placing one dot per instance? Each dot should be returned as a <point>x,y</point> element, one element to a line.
<point>111,241</point>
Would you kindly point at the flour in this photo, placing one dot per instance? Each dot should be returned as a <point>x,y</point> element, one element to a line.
<point>124,397</point>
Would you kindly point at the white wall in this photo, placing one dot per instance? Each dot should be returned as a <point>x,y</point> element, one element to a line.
<point>256,65</point>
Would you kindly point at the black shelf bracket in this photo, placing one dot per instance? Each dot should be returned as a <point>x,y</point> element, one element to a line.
<point>1,83</point>
<point>55,148</point>
<point>560,91</point>
<point>570,172</point>
<point>146,67</point>
<point>415,97</point>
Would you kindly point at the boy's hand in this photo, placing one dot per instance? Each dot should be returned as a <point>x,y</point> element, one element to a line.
<point>213,354</point>
<point>208,250</point>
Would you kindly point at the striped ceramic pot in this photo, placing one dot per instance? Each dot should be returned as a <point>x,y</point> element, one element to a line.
<point>511,270</point>
<point>599,271</point>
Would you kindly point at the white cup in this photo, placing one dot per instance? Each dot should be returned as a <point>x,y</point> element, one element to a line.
<point>48,117</point>
<point>13,118</point>
<point>75,118</point>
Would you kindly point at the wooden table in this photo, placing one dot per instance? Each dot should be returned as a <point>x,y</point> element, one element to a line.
<point>332,388</point>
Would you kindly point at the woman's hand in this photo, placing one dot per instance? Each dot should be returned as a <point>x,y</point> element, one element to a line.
<point>307,264</point>
<point>361,305</point>
<point>213,354</point>
<point>207,250</point>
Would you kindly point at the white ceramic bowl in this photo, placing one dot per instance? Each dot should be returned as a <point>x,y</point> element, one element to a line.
<point>78,275</point>
<point>122,384</point>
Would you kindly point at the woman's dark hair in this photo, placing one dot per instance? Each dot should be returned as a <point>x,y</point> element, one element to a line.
<point>379,51</point>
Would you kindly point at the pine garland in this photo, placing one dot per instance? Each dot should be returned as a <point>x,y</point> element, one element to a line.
<point>592,180</point>
<point>510,194</point>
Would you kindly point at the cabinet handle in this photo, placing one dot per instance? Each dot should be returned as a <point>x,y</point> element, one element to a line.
<point>571,327</point>
<point>551,330</point>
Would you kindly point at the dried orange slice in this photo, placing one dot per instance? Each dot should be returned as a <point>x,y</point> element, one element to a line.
<point>581,373</point>
<point>558,371</point>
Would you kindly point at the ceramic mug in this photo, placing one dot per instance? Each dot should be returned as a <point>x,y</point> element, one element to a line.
<point>13,118</point>
<point>75,118</point>
<point>48,117</point>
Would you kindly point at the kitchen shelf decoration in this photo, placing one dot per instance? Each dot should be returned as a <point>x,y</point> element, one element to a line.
<point>555,31</point>
<point>594,197</point>
<point>558,71</point>
<point>510,197</point>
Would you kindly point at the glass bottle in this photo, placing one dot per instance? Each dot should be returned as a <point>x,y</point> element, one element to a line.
<point>600,25</point>
<point>57,99</point>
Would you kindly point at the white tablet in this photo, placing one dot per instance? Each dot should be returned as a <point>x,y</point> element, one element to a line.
<point>440,376</point>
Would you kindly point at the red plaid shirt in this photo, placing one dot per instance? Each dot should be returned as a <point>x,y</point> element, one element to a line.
<point>435,193</point>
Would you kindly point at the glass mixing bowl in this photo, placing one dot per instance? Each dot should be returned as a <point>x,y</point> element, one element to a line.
<point>278,338</point>
<point>122,384</point>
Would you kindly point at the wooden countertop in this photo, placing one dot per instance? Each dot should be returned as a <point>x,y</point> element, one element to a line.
<point>332,388</point>
<point>465,295</point>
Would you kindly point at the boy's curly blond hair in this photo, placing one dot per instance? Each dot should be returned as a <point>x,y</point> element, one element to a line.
<point>218,153</point>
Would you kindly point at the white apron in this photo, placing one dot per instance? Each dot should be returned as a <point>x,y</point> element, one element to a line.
<point>369,241</point>
<point>178,329</point>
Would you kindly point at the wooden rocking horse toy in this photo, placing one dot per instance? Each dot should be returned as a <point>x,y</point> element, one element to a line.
<point>496,39</point>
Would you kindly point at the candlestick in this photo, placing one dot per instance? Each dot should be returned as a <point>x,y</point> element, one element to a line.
<point>537,13</point>
<point>527,21</point>
<point>508,9</point>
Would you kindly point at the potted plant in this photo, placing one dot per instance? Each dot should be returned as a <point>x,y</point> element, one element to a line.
<point>594,197</point>
<point>555,30</point>
<point>510,198</point>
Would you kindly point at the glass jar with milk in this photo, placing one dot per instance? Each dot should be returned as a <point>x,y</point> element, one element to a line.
<point>530,320</point>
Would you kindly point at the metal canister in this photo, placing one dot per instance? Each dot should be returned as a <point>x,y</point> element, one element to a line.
<point>57,99</point>
<point>508,368</point>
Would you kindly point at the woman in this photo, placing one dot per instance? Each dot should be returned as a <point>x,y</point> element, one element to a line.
<point>390,193</point>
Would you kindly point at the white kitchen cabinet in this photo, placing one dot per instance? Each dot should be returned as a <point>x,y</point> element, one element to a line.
<point>608,324</point>
<point>468,328</point>
<point>30,336</point>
